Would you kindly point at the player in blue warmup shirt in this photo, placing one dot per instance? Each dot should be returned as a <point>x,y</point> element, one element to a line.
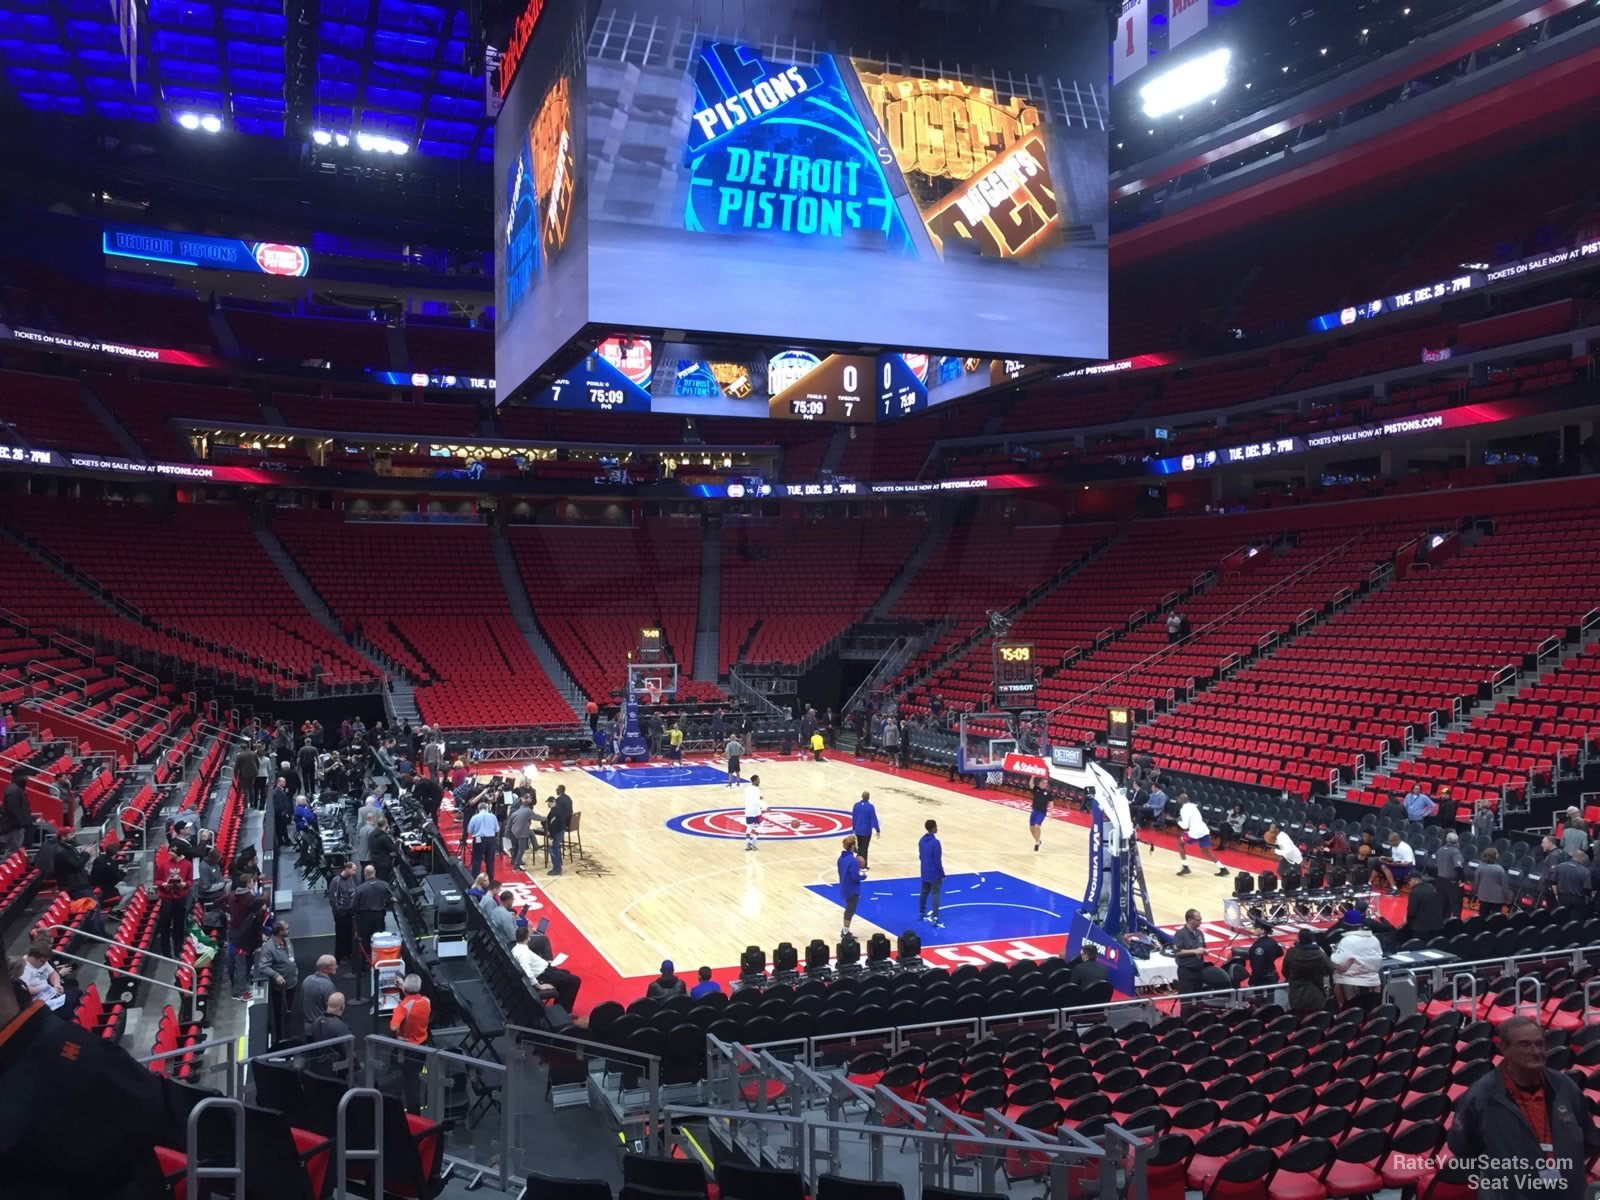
<point>850,865</point>
<point>864,823</point>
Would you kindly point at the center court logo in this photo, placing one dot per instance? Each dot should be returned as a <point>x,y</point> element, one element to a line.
<point>795,824</point>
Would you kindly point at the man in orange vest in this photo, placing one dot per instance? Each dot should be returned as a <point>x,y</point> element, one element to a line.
<point>409,1023</point>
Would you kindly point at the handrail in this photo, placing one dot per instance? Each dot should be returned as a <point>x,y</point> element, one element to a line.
<point>1210,626</point>
<point>193,991</point>
<point>53,674</point>
<point>1589,619</point>
<point>343,1155</point>
<point>193,1171</point>
<point>15,619</point>
<point>138,676</point>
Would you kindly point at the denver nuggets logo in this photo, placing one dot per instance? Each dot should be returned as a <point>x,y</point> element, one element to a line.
<point>797,824</point>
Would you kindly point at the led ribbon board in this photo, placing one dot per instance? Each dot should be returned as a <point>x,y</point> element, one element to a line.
<point>201,250</point>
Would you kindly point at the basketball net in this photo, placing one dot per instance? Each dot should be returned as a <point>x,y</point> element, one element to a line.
<point>652,694</point>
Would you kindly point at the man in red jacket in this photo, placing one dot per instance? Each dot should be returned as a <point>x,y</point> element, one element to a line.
<point>174,878</point>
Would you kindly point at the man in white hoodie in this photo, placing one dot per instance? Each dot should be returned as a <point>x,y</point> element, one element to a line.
<point>1357,959</point>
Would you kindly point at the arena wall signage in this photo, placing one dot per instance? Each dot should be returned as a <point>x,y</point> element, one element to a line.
<point>202,250</point>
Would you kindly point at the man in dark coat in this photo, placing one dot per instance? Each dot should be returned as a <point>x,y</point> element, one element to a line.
<point>1530,1125</point>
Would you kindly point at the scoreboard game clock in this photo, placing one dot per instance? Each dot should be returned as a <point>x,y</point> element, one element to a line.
<point>837,388</point>
<point>1119,733</point>
<point>1016,680</point>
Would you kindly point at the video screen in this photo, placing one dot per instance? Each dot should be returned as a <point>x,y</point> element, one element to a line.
<point>833,178</point>
<point>836,198</point>
<point>540,148</point>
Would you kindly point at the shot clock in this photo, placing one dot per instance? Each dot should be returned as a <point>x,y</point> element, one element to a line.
<point>1016,681</point>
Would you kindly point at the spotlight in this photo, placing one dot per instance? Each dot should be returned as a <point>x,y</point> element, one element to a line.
<point>1244,883</point>
<point>211,124</point>
<point>1186,84</point>
<point>909,952</point>
<point>322,137</point>
<point>817,957</point>
<point>190,121</point>
<point>785,961</point>
<point>1268,883</point>
<point>341,139</point>
<point>847,956</point>
<point>753,966</point>
<point>878,953</point>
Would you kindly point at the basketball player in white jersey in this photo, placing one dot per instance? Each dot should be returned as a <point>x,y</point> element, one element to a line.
<point>752,812</point>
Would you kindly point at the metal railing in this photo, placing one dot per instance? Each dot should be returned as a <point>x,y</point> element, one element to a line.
<point>473,1097</point>
<point>1211,626</point>
<point>192,991</point>
<point>626,1086</point>
<point>194,1172</point>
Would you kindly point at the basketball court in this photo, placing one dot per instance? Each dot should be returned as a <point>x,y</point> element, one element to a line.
<point>665,873</point>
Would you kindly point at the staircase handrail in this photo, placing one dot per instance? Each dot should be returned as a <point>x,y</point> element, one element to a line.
<point>1212,625</point>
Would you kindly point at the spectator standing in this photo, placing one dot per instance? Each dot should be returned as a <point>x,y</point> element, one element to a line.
<point>891,740</point>
<point>282,812</point>
<point>174,877</point>
<point>930,856</point>
<point>1189,953</point>
<point>314,992</point>
<point>367,826</point>
<point>1263,959</point>
<point>246,910</point>
<point>276,966</point>
<point>409,1023</point>
<point>706,986</point>
<point>1572,881</point>
<point>1418,806</point>
<point>1489,884</point>
<point>16,816</point>
<point>342,900</point>
<point>263,777</point>
<point>1307,970</point>
<point>733,751</point>
<point>484,833</point>
<point>383,848</point>
<point>519,829</point>
<point>1529,1125</point>
<point>246,767</point>
<point>1449,866</point>
<point>1174,626</point>
<point>372,909</point>
<point>864,824</point>
<point>1357,960</point>
<point>1574,833</point>
<point>556,823</point>
<point>666,985</point>
<point>1425,907</point>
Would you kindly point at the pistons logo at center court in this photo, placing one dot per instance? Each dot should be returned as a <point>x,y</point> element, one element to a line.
<point>797,824</point>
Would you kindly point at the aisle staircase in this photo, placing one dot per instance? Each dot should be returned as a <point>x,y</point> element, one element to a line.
<point>522,612</point>
<point>708,619</point>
